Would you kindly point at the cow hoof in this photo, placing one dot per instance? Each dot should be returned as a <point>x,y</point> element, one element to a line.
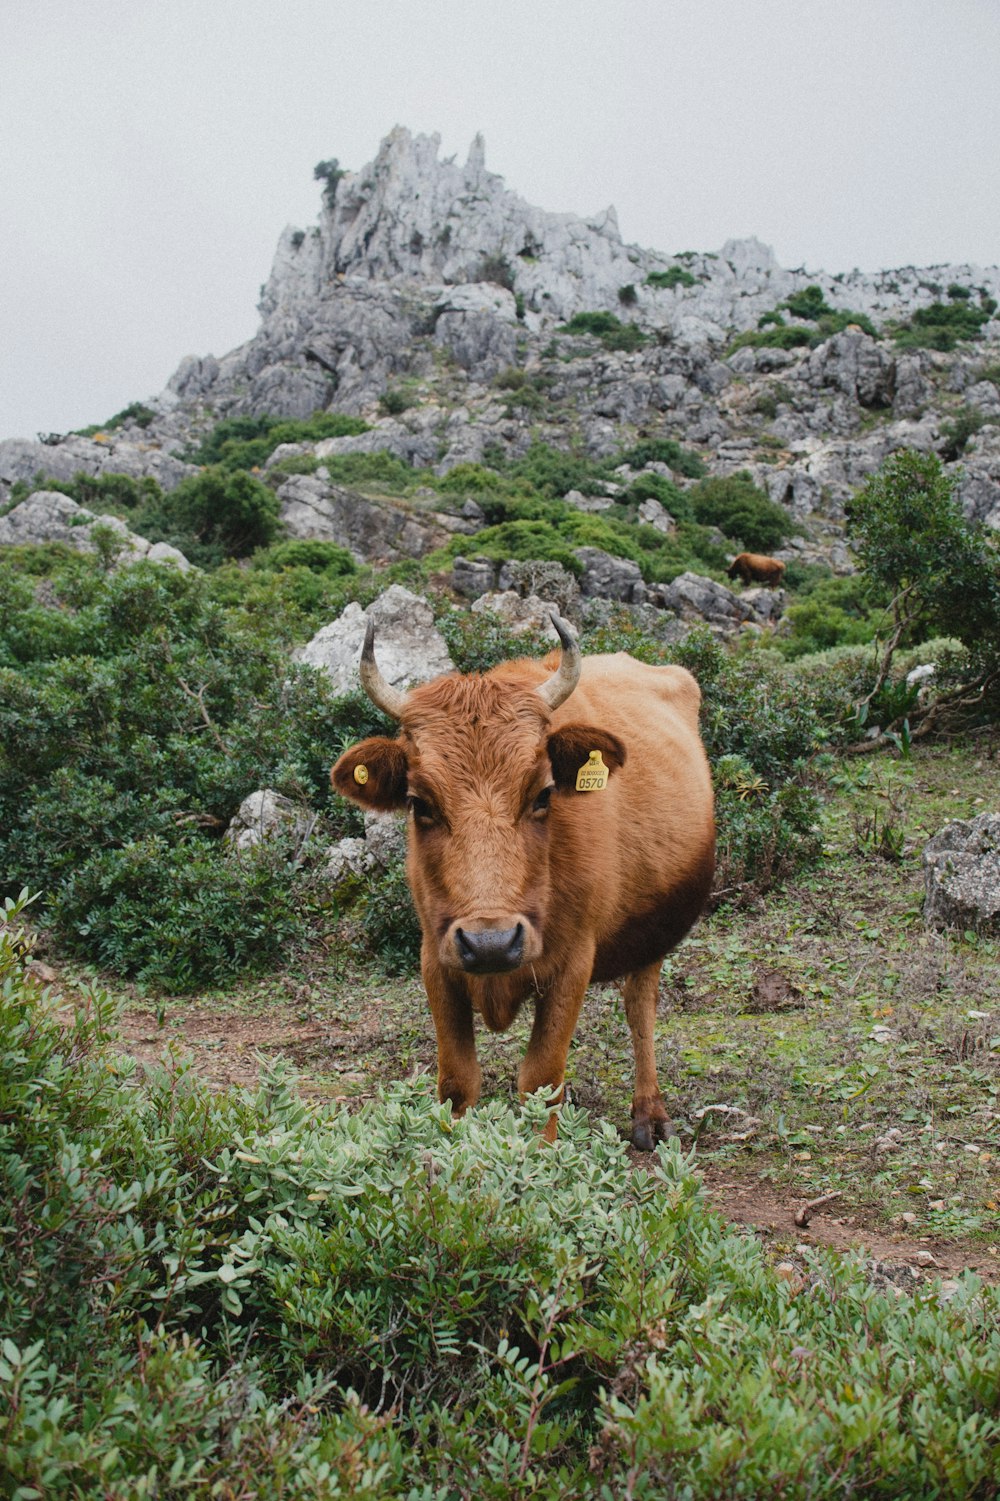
<point>647,1132</point>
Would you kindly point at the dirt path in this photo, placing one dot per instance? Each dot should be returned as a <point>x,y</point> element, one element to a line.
<point>228,1049</point>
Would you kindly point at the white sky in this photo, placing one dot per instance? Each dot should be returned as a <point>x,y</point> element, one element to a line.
<point>151,151</point>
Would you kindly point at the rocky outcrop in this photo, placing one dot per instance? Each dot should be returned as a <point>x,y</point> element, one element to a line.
<point>72,455</point>
<point>50,516</point>
<point>266,815</point>
<point>409,647</point>
<point>382,531</point>
<point>384,843</point>
<point>434,272</point>
<point>519,613</point>
<point>609,577</point>
<point>962,876</point>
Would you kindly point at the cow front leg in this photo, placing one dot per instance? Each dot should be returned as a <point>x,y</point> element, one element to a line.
<point>544,1063</point>
<point>459,1075</point>
<point>650,1121</point>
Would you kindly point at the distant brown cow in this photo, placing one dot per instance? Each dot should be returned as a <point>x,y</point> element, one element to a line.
<point>755,568</point>
<point>550,843</point>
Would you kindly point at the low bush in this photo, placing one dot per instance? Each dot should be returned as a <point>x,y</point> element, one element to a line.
<point>664,451</point>
<point>942,325</point>
<point>247,442</point>
<point>217,514</point>
<point>832,612</point>
<point>179,916</point>
<point>255,1295</point>
<point>674,276</point>
<point>109,492</point>
<point>612,333</point>
<point>740,509</point>
<point>317,556</point>
<point>136,713</point>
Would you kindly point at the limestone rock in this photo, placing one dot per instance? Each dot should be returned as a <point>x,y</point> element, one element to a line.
<point>610,577</point>
<point>264,815</point>
<point>50,516</point>
<point>695,598</point>
<point>408,646</point>
<point>519,613</point>
<point>349,856</point>
<point>657,516</point>
<point>372,530</point>
<point>855,363</point>
<point>962,875</point>
<point>385,836</point>
<point>473,576</point>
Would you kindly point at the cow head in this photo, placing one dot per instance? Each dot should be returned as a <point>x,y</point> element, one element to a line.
<point>485,780</point>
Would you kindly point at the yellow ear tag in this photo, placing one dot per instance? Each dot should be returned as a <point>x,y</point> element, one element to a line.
<point>593,776</point>
<point>360,774</point>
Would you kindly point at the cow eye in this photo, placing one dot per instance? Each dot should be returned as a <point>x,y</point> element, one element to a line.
<point>540,806</point>
<point>423,812</point>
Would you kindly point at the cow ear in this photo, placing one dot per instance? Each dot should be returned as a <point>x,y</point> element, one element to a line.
<point>570,747</point>
<point>373,773</point>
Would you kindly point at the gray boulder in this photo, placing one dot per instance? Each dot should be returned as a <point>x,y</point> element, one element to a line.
<point>50,516</point>
<point>408,646</point>
<point>608,577</point>
<point>373,531</point>
<point>854,363</point>
<point>653,514</point>
<point>473,576</point>
<point>384,842</point>
<point>519,613</point>
<point>264,815</point>
<point>701,600</point>
<point>962,875</point>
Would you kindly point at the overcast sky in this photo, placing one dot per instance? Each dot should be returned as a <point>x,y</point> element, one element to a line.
<point>151,151</point>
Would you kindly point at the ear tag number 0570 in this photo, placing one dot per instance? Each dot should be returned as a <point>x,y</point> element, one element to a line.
<point>593,775</point>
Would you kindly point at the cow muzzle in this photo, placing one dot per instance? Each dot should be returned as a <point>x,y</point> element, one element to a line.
<point>490,951</point>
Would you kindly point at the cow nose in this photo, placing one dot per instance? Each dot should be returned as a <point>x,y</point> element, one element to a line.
<point>490,951</point>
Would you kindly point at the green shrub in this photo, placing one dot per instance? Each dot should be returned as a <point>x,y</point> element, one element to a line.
<point>956,432</point>
<point>213,515</point>
<point>136,713</point>
<point>942,325</point>
<point>741,510</point>
<point>396,400</point>
<point>496,269</point>
<point>781,336</point>
<point>808,303</point>
<point>381,469</point>
<point>835,612</point>
<point>657,487</point>
<point>259,1295</point>
<point>247,442</point>
<point>674,276</point>
<point>612,333</point>
<point>392,928</point>
<point>177,915</point>
<point>136,412</point>
<point>114,492</point>
<point>627,295</point>
<point>919,551</point>
<point>664,451</point>
<point>318,557</point>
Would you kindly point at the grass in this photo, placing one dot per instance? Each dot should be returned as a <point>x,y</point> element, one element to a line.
<point>853,1050</point>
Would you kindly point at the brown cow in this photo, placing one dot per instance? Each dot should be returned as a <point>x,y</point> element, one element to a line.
<point>756,568</point>
<point>526,882</point>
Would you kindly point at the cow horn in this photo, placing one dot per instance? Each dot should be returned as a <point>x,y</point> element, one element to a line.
<point>382,694</point>
<point>557,689</point>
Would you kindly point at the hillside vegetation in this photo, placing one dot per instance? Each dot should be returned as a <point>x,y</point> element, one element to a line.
<point>221,1277</point>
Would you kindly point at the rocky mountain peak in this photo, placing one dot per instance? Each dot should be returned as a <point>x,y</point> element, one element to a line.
<point>411,217</point>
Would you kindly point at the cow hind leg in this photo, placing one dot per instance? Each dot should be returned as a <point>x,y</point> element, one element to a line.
<point>650,1121</point>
